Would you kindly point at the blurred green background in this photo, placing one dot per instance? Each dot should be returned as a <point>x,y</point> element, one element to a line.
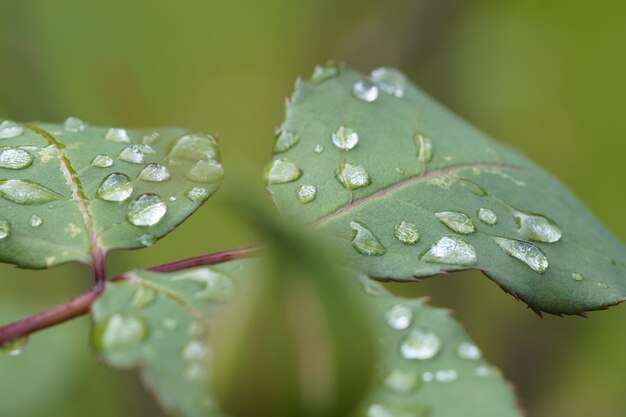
<point>546,77</point>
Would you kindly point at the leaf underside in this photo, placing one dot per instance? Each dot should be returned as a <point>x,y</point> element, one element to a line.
<point>55,207</point>
<point>158,323</point>
<point>426,167</point>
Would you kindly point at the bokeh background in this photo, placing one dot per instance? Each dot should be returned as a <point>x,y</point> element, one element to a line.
<point>546,77</point>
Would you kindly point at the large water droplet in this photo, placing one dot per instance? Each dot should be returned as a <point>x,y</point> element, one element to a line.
<point>352,176</point>
<point>424,148</point>
<point>323,73</point>
<point>452,250</point>
<point>345,138</point>
<point>143,297</point>
<point>13,158</point>
<point>468,351</point>
<point>10,129</point>
<point>285,140</point>
<point>35,221</point>
<point>576,276</point>
<point>132,154</point>
<point>389,80</point>
<point>74,125</point>
<point>155,173</point>
<point>365,90</point>
<point>457,222</point>
<point>364,241</point>
<point>536,228</point>
<point>487,216</point>
<point>26,192</point>
<point>399,317</point>
<point>147,239</point>
<point>420,344</point>
<point>195,147</point>
<point>5,228</point>
<point>406,233</point>
<point>209,171</point>
<point>197,194</point>
<point>121,331</point>
<point>306,193</point>
<point>216,286</point>
<point>528,253</point>
<point>117,135</point>
<point>281,171</point>
<point>14,347</point>
<point>102,161</point>
<point>402,381</point>
<point>115,187</point>
<point>446,375</point>
<point>146,210</point>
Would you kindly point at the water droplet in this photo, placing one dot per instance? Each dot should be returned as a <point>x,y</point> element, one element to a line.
<point>5,228</point>
<point>26,192</point>
<point>195,147</point>
<point>285,140</point>
<point>473,188</point>
<point>117,135</point>
<point>132,154</point>
<point>121,331</point>
<point>365,90</point>
<point>150,138</point>
<point>452,250</point>
<point>402,381</point>
<point>195,350</point>
<point>380,410</point>
<point>318,148</point>
<point>424,148</point>
<point>216,286</point>
<point>485,371</point>
<point>399,317</point>
<point>406,233</point>
<point>209,171</point>
<point>371,287</point>
<point>528,253</point>
<point>14,347</point>
<point>146,210</point>
<point>115,187</point>
<point>306,193</point>
<point>577,276</point>
<point>281,171</point>
<point>102,161</point>
<point>10,129</point>
<point>352,176</point>
<point>169,323</point>
<point>420,344</point>
<point>323,73</point>
<point>12,158</point>
<point>428,377</point>
<point>457,222</point>
<point>143,297</point>
<point>73,124</point>
<point>195,329</point>
<point>390,81</point>
<point>345,138</point>
<point>487,216</point>
<point>603,285</point>
<point>155,173</point>
<point>536,228</point>
<point>145,149</point>
<point>446,375</point>
<point>197,194</point>
<point>147,239</point>
<point>35,221</point>
<point>364,241</point>
<point>468,351</point>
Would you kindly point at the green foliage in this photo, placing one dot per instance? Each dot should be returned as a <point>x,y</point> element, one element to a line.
<point>409,190</point>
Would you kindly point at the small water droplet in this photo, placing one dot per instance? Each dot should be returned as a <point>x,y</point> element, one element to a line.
<point>364,241</point>
<point>9,129</point>
<point>603,285</point>
<point>345,138</point>
<point>390,81</point>
<point>169,323</point>
<point>13,158</point>
<point>143,297</point>
<point>399,317</point>
<point>115,187</point>
<point>173,198</point>
<point>147,239</point>
<point>406,233</point>
<point>285,140</point>
<point>380,410</point>
<point>536,228</point>
<point>26,192</point>
<point>117,135</point>
<point>145,149</point>
<point>74,125</point>
<point>14,347</point>
<point>306,193</point>
<point>325,72</point>
<point>35,220</point>
<point>281,171</point>
<point>352,176</point>
<point>420,344</point>
<point>487,216</point>
<point>371,287</point>
<point>102,161</point>
<point>318,148</point>
<point>428,376</point>
<point>468,351</point>
<point>133,155</point>
<point>473,188</point>
<point>457,222</point>
<point>485,371</point>
<point>402,381</point>
<point>121,331</point>
<point>154,173</point>
<point>206,171</point>
<point>528,253</point>
<point>195,350</point>
<point>576,276</point>
<point>424,148</point>
<point>195,329</point>
<point>452,250</point>
<point>215,286</point>
<point>5,228</point>
<point>146,210</point>
<point>197,194</point>
<point>446,375</point>
<point>150,138</point>
<point>365,91</point>
<point>195,147</point>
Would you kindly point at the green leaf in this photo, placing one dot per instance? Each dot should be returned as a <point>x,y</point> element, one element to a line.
<point>158,322</point>
<point>72,192</point>
<point>409,190</point>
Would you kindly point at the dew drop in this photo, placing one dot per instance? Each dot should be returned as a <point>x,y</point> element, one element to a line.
<point>473,188</point>
<point>365,91</point>
<point>26,192</point>
<point>485,371</point>
<point>468,351</point>
<point>14,347</point>
<point>402,381</point>
<point>420,344</point>
<point>446,375</point>
<point>424,148</point>
<point>536,228</point>
<point>528,253</point>
<point>195,350</point>
<point>215,286</point>
<point>487,216</point>
<point>325,72</point>
<point>306,193</point>
<point>154,173</point>
<point>121,331</point>
<point>147,239</point>
<point>576,276</point>
<point>115,187</point>
<point>102,161</point>
<point>169,323</point>
<point>5,228</point>
<point>117,135</point>
<point>206,171</point>
<point>285,140</point>
<point>195,147</point>
<point>133,155</point>
<point>146,149</point>
<point>74,125</point>
<point>197,194</point>
<point>457,222</point>
<point>428,377</point>
<point>452,250</point>
<point>9,129</point>
<point>390,81</point>
<point>150,138</point>
<point>406,233</point>
<point>143,297</point>
<point>345,138</point>
<point>281,171</point>
<point>195,329</point>
<point>364,241</point>
<point>399,317</point>
<point>603,285</point>
<point>318,148</point>
<point>12,158</point>
<point>371,287</point>
<point>146,210</point>
<point>35,221</point>
<point>352,176</point>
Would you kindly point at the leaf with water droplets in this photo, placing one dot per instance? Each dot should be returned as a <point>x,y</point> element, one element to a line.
<point>415,162</point>
<point>73,191</point>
